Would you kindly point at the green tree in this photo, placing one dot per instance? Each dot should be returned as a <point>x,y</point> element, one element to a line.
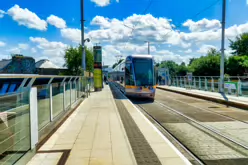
<point>240,45</point>
<point>237,65</point>
<point>73,60</point>
<point>208,65</point>
<point>191,60</point>
<point>181,70</point>
<point>172,67</point>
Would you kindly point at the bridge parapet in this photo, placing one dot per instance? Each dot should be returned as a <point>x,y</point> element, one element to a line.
<point>31,106</point>
<point>234,85</point>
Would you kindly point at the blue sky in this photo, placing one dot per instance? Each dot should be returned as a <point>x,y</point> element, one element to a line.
<point>43,29</point>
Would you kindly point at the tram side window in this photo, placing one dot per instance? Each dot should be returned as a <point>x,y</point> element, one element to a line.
<point>129,75</point>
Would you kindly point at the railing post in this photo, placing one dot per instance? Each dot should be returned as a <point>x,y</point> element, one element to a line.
<point>75,85</point>
<point>212,84</point>
<point>240,88</point>
<point>51,101</point>
<point>219,85</point>
<point>79,88</point>
<point>64,95</point>
<point>194,83</point>
<point>185,83</point>
<point>33,103</point>
<point>206,84</point>
<point>177,82</point>
<point>182,81</point>
<point>199,83</point>
<point>70,93</point>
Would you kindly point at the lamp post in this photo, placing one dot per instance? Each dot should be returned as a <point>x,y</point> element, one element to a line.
<point>82,35</point>
<point>148,47</point>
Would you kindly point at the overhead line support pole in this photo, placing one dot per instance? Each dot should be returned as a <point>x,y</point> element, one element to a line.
<point>222,61</point>
<point>82,35</point>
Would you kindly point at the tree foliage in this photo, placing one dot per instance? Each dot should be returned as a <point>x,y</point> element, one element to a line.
<point>174,68</point>
<point>237,65</point>
<point>73,60</point>
<point>240,45</point>
<point>208,65</point>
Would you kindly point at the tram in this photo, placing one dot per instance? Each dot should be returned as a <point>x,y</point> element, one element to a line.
<point>138,77</point>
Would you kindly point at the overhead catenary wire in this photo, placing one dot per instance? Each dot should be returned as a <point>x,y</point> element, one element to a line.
<point>197,14</point>
<point>133,28</point>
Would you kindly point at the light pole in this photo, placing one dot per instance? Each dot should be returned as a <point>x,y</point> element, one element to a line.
<point>222,47</point>
<point>82,36</point>
<point>148,48</point>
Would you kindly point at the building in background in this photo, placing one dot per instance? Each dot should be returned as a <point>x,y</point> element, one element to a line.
<point>46,67</point>
<point>20,64</point>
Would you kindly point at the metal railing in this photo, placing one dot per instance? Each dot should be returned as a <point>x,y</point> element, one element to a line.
<point>31,103</point>
<point>234,85</point>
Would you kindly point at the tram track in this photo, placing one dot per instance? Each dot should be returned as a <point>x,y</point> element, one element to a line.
<point>204,109</point>
<point>231,146</point>
<point>234,128</point>
<point>204,144</point>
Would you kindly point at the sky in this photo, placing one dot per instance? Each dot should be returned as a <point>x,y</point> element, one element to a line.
<point>176,29</point>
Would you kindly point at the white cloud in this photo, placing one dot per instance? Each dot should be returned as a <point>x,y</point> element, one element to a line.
<point>23,46</point>
<point>2,44</point>
<point>116,37</point>
<point>102,3</point>
<point>33,50</point>
<point>14,51</point>
<point>202,25</point>
<point>146,26</point>
<point>54,50</point>
<point>214,34</point>
<point>166,55</point>
<point>2,13</point>
<point>56,21</point>
<point>188,51</point>
<point>47,45</point>
<point>111,51</point>
<point>205,48</point>
<point>27,18</point>
<point>72,34</point>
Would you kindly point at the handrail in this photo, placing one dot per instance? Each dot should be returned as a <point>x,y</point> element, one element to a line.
<point>33,76</point>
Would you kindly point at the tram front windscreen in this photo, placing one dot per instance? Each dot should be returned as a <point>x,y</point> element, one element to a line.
<point>143,69</point>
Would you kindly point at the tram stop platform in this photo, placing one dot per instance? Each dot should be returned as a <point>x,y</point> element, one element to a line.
<point>229,100</point>
<point>107,129</point>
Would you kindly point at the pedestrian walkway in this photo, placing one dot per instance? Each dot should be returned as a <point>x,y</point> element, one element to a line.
<point>95,135</point>
<point>240,102</point>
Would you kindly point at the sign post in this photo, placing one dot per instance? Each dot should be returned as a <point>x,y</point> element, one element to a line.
<point>98,83</point>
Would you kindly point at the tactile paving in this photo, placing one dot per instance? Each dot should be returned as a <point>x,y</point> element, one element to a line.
<point>143,152</point>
